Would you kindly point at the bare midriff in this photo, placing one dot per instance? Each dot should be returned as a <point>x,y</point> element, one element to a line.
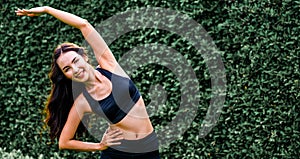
<point>136,124</point>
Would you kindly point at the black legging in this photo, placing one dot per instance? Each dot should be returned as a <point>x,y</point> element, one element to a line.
<point>145,148</point>
<point>115,154</point>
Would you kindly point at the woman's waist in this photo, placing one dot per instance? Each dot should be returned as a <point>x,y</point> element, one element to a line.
<point>133,128</point>
<point>128,135</point>
<point>146,144</point>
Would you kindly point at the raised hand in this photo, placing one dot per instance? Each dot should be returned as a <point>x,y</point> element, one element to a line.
<point>37,11</point>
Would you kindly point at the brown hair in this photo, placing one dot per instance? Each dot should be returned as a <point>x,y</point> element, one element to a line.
<point>62,95</point>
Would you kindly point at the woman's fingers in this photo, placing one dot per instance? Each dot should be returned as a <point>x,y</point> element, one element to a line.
<point>116,134</point>
<point>113,143</point>
<point>116,131</point>
<point>112,137</point>
<point>114,140</point>
<point>19,12</point>
<point>30,12</point>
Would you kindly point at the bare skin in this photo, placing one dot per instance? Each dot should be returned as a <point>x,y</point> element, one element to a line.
<point>134,126</point>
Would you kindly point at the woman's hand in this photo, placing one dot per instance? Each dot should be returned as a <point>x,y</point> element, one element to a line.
<point>111,137</point>
<point>31,12</point>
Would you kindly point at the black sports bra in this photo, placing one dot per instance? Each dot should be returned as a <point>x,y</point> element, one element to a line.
<point>123,97</point>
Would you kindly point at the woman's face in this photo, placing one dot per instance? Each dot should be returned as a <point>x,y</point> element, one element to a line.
<point>74,66</point>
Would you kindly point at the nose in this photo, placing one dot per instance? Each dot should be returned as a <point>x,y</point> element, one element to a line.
<point>76,69</point>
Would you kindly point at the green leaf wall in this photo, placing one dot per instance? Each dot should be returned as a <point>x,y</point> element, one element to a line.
<point>260,48</point>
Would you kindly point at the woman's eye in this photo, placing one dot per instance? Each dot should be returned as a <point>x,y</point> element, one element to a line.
<point>76,60</point>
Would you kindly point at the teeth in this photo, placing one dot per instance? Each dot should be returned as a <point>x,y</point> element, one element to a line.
<point>77,75</point>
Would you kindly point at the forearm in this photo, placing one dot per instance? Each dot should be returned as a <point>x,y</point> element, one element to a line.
<point>66,17</point>
<point>87,30</point>
<point>80,146</point>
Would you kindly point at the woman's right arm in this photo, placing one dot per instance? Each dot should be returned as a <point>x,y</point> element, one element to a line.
<point>67,141</point>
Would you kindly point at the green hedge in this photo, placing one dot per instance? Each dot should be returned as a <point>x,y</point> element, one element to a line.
<point>261,54</point>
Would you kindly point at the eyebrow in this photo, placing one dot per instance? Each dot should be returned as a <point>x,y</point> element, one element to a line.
<point>71,62</point>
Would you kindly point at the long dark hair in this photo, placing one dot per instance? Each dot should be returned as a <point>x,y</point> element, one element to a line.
<point>63,93</point>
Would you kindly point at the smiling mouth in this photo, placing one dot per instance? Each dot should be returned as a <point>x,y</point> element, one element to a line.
<point>79,75</point>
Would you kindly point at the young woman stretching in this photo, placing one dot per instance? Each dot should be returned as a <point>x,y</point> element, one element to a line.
<point>107,91</point>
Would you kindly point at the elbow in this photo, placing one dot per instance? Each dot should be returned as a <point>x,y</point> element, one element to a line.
<point>62,144</point>
<point>85,27</point>
<point>85,24</point>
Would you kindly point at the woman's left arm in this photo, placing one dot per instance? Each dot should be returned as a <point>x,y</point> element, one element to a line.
<point>104,56</point>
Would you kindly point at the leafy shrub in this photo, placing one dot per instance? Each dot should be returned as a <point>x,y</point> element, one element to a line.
<point>260,45</point>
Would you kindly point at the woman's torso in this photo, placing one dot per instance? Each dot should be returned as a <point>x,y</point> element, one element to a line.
<point>136,124</point>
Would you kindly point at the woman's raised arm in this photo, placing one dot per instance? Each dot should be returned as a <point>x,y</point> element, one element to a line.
<point>104,56</point>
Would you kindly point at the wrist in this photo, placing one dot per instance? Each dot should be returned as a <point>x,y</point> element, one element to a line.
<point>47,9</point>
<point>101,146</point>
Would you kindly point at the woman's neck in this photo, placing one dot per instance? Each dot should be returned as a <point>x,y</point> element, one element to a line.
<point>93,80</point>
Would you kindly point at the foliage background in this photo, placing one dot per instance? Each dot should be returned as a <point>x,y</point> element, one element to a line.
<point>260,45</point>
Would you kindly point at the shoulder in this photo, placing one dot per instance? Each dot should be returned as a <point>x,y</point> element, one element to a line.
<point>82,105</point>
<point>117,70</point>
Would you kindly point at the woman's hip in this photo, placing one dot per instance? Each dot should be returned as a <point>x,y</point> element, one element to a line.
<point>146,148</point>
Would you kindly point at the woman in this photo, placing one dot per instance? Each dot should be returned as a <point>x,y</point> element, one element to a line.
<point>107,92</point>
